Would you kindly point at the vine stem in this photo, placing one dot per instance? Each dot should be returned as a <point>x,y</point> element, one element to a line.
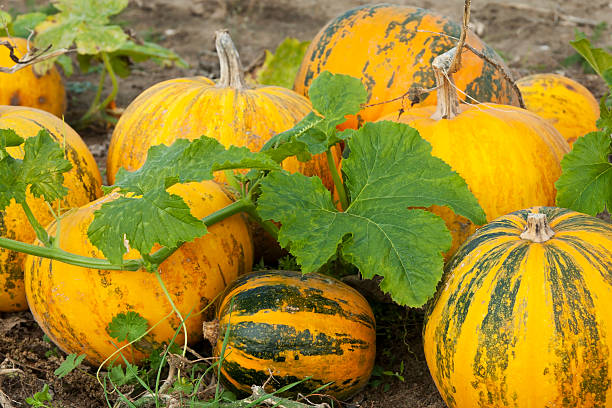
<point>95,106</point>
<point>456,63</point>
<point>337,180</point>
<point>67,257</point>
<point>41,234</point>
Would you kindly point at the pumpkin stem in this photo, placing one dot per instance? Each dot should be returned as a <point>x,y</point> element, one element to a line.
<point>448,100</point>
<point>231,75</point>
<point>537,229</point>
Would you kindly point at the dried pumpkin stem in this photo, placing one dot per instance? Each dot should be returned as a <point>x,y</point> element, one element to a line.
<point>537,229</point>
<point>456,63</point>
<point>448,100</point>
<point>231,74</point>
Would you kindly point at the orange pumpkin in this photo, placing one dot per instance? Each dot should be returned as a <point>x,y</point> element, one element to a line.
<point>391,48</point>
<point>83,182</point>
<point>27,88</point>
<point>566,104</point>
<point>74,305</point>
<point>508,156</point>
<point>229,111</point>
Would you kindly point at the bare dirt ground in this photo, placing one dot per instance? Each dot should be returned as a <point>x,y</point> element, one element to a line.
<point>533,36</point>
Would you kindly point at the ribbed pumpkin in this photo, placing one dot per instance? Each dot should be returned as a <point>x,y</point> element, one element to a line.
<point>508,156</point>
<point>294,326</point>
<point>391,48</point>
<point>25,87</point>
<point>229,111</point>
<point>73,305</point>
<point>565,103</point>
<point>522,316</point>
<point>83,182</point>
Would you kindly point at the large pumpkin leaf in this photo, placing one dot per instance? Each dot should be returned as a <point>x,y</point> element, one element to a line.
<point>186,161</point>
<point>390,168</point>
<point>333,97</point>
<point>155,216</point>
<point>585,184</point>
<point>41,170</point>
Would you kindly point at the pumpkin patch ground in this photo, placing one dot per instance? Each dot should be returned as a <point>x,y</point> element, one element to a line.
<point>531,36</point>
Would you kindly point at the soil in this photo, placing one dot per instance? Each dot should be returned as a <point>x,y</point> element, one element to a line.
<point>533,36</point>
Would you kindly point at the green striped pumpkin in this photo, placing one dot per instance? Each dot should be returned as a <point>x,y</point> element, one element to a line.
<point>294,326</point>
<point>523,317</point>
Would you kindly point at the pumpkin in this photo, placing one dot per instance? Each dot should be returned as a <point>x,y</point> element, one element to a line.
<point>74,305</point>
<point>569,106</point>
<point>391,48</point>
<point>26,87</point>
<point>292,326</point>
<point>509,157</point>
<point>83,182</point>
<point>229,111</point>
<point>521,317</point>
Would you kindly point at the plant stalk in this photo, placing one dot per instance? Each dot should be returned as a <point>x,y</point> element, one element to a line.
<point>67,257</point>
<point>93,107</point>
<point>337,180</point>
<point>231,75</point>
<point>41,233</point>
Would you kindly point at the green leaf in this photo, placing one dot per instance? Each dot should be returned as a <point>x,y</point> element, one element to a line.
<point>65,62</point>
<point>120,377</point>
<point>281,67</point>
<point>127,326</point>
<point>45,180</point>
<point>389,169</point>
<point>24,24</point>
<point>585,184</point>
<point>155,218</point>
<point>5,19</point>
<point>333,97</point>
<point>71,362</point>
<point>41,169</point>
<point>39,399</point>
<point>97,39</point>
<point>598,58</point>
<point>121,65</point>
<point>148,50</point>
<point>185,161</point>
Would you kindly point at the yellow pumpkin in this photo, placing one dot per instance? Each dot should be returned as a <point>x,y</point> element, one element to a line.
<point>74,305</point>
<point>83,182</point>
<point>229,111</point>
<point>565,103</point>
<point>390,48</point>
<point>27,88</point>
<point>522,316</point>
<point>508,156</point>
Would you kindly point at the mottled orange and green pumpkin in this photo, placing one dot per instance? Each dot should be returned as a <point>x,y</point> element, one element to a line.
<point>27,88</point>
<point>569,106</point>
<point>391,48</point>
<point>83,182</point>
<point>73,305</point>
<point>525,324</point>
<point>228,111</point>
<point>294,326</point>
<point>509,157</point>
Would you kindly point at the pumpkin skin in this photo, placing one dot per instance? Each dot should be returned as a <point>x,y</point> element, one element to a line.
<point>230,112</point>
<point>524,324</point>
<point>379,44</point>
<point>296,326</point>
<point>73,305</point>
<point>509,157</point>
<point>83,182</point>
<point>26,88</point>
<point>568,105</point>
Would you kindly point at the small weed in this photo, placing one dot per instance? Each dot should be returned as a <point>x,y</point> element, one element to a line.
<point>576,58</point>
<point>40,399</point>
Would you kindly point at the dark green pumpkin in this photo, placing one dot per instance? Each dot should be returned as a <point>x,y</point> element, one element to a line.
<point>294,326</point>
